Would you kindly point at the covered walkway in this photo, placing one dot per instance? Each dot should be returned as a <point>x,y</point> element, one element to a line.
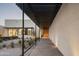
<point>45,48</point>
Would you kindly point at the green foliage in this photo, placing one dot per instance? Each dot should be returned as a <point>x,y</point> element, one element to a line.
<point>1,40</point>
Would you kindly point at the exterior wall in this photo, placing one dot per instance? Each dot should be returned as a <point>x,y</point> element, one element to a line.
<point>1,31</point>
<point>41,33</point>
<point>18,23</point>
<point>64,31</point>
<point>5,33</point>
<point>37,32</point>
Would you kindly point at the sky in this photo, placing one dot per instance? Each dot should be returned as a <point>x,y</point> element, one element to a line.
<point>10,11</point>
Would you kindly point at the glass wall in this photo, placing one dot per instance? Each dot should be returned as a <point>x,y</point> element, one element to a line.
<point>12,32</point>
<point>10,43</point>
<point>16,32</point>
<point>9,14</point>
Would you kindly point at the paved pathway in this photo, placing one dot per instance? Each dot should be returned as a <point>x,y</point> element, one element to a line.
<point>45,48</point>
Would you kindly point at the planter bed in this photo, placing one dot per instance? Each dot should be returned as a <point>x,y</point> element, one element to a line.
<point>8,38</point>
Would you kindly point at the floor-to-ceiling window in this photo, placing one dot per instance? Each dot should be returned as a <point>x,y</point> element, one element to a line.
<point>12,32</point>
<point>29,31</point>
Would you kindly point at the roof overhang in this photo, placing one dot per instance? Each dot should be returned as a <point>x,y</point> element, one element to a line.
<point>42,14</point>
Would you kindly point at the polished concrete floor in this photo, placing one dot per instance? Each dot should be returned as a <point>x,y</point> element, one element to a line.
<point>45,48</point>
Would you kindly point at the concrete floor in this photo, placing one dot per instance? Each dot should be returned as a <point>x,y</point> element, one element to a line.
<point>45,48</point>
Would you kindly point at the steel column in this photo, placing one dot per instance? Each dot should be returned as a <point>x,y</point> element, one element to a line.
<point>23,30</point>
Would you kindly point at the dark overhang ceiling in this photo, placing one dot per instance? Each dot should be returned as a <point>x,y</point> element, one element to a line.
<point>41,13</point>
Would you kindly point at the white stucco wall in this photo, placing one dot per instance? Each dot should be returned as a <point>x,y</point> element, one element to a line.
<point>64,31</point>
<point>18,23</point>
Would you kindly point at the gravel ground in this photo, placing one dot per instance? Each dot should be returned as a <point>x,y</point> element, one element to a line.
<point>16,51</point>
<point>10,51</point>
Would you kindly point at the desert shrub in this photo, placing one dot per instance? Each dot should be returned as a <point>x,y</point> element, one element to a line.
<point>26,44</point>
<point>12,45</point>
<point>4,45</point>
<point>19,42</point>
<point>0,46</point>
<point>30,42</point>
